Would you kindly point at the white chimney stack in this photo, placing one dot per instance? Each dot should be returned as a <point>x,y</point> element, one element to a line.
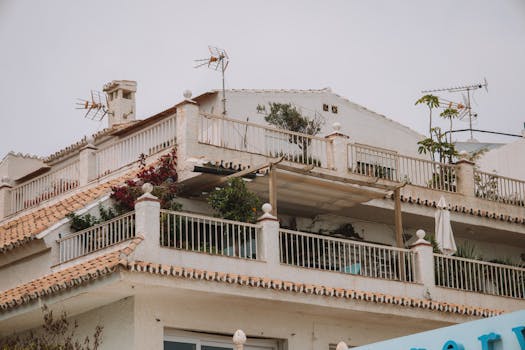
<point>121,101</point>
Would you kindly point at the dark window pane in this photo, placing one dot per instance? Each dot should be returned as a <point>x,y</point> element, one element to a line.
<point>207,347</point>
<point>171,345</point>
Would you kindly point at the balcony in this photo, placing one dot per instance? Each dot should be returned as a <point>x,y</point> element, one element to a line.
<point>218,138</point>
<point>92,163</point>
<point>266,250</point>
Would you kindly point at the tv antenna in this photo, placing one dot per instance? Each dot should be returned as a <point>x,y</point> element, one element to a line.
<point>96,108</point>
<point>218,60</point>
<point>466,106</point>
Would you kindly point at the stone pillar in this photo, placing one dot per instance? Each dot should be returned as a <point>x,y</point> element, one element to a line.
<point>187,127</point>
<point>147,223</point>
<point>88,163</point>
<point>465,175</point>
<point>5,197</point>
<point>239,338</point>
<point>268,238</point>
<point>337,151</point>
<point>424,261</point>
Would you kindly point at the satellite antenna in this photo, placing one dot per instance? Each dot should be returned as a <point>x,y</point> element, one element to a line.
<point>467,110</point>
<point>218,60</point>
<point>96,108</point>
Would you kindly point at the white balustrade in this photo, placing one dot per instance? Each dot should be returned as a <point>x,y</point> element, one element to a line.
<point>373,161</point>
<point>259,139</point>
<point>33,192</point>
<point>498,188</point>
<point>97,237</point>
<point>341,255</point>
<point>426,173</point>
<point>386,164</point>
<point>147,141</point>
<point>479,276</point>
<point>208,235</point>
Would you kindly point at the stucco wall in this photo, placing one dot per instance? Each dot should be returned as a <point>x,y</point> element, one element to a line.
<point>298,327</point>
<point>117,320</point>
<point>506,160</point>
<point>362,125</point>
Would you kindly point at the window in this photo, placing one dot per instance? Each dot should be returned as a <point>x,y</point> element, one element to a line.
<point>325,107</point>
<point>334,109</point>
<point>185,340</point>
<point>126,95</point>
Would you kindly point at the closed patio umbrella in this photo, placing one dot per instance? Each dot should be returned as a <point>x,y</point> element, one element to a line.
<point>444,235</point>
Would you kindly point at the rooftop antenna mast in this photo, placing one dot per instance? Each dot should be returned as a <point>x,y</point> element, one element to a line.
<point>467,89</point>
<point>218,60</point>
<point>96,108</point>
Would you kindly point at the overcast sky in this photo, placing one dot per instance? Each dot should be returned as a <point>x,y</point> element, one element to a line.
<point>380,54</point>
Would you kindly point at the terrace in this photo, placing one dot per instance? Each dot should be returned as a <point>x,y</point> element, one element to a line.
<point>333,154</point>
<point>315,175</point>
<point>265,250</point>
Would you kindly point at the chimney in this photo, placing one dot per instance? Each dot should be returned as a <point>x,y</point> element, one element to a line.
<point>121,101</point>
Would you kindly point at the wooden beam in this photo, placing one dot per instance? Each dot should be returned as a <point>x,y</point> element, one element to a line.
<point>272,189</point>
<point>398,218</point>
<point>307,171</point>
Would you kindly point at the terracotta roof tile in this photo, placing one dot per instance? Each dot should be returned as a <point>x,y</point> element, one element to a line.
<point>24,228</point>
<point>463,209</point>
<point>64,279</point>
<point>103,265</point>
<point>288,286</point>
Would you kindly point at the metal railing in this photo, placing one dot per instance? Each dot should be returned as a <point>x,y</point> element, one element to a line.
<point>479,276</point>
<point>126,151</point>
<point>254,138</point>
<point>499,188</point>
<point>209,235</point>
<point>386,164</point>
<point>44,187</point>
<point>97,237</point>
<point>356,258</point>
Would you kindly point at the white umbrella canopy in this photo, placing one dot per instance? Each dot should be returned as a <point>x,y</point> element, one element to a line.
<point>444,235</point>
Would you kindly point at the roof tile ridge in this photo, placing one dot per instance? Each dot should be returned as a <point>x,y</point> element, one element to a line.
<point>46,211</point>
<point>59,280</point>
<point>297,287</point>
<point>126,253</point>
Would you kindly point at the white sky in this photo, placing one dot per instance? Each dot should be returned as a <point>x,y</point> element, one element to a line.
<point>376,53</point>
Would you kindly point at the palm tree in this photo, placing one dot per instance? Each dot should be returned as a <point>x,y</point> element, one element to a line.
<point>432,102</point>
<point>449,113</point>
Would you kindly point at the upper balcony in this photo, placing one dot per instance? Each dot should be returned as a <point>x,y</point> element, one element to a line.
<point>214,139</point>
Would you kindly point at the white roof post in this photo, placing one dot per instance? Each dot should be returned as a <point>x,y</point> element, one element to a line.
<point>187,127</point>
<point>147,221</point>
<point>268,238</point>
<point>465,175</point>
<point>337,154</point>
<point>424,261</point>
<point>5,197</point>
<point>87,162</point>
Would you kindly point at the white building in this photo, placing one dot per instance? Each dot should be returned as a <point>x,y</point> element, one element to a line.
<point>187,280</point>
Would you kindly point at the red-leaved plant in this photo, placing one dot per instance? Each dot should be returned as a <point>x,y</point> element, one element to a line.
<point>163,177</point>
